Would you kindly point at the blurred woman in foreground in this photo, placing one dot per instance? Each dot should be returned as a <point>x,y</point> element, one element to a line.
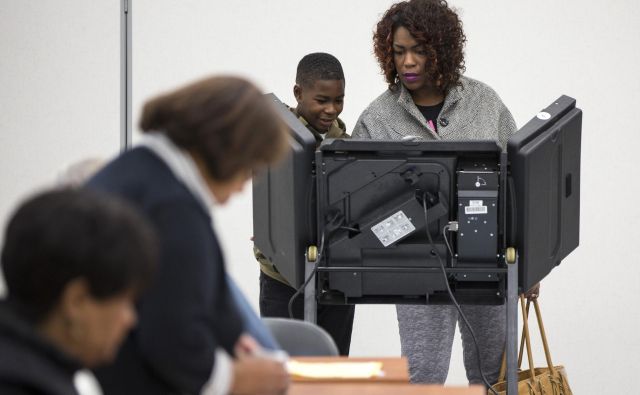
<point>202,143</point>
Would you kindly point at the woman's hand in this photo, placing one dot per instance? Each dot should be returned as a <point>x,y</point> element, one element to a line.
<point>533,292</point>
<point>246,345</point>
<point>255,372</point>
<point>259,375</point>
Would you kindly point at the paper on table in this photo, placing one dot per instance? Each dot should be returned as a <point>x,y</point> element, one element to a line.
<point>341,370</point>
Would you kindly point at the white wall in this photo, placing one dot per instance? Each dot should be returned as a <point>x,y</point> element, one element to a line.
<point>530,53</point>
<point>59,91</point>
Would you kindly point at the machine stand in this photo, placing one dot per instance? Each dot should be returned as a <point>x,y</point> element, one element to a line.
<point>310,304</point>
<point>511,259</point>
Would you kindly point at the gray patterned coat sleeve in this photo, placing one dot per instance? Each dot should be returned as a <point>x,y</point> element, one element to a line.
<point>360,131</point>
<point>507,126</point>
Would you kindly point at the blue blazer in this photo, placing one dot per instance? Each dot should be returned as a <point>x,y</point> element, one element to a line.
<point>188,311</point>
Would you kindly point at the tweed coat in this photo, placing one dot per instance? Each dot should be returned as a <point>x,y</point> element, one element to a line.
<point>471,111</point>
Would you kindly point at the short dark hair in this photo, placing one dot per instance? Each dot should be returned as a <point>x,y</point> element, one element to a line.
<point>226,120</point>
<point>64,234</point>
<point>318,66</point>
<point>434,25</point>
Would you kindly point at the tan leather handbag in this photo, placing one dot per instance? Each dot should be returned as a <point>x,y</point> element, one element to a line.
<point>550,380</point>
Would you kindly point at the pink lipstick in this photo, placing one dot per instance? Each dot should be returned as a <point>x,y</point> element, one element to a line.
<point>411,77</point>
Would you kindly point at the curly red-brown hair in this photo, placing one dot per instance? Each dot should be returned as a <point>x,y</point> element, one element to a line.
<point>434,25</point>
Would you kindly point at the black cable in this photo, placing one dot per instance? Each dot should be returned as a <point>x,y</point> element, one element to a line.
<point>313,272</point>
<point>453,299</point>
<point>446,239</point>
<point>349,229</point>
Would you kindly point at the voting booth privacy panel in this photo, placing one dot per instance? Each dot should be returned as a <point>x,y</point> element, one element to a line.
<point>368,205</point>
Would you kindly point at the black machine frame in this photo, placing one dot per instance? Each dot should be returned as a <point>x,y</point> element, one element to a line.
<point>343,257</point>
<point>284,205</point>
<point>355,185</point>
<point>362,268</point>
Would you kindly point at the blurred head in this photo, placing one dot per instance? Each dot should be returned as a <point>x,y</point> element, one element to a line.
<point>76,174</point>
<point>319,90</point>
<point>74,262</point>
<point>420,43</point>
<point>227,125</point>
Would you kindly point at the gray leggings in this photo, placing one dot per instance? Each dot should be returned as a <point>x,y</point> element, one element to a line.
<point>426,338</point>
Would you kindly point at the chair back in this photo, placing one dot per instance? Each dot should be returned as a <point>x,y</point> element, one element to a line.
<point>301,338</point>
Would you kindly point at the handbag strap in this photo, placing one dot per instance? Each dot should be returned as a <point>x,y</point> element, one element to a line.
<point>521,349</point>
<point>543,335</point>
<point>527,338</point>
<point>524,339</point>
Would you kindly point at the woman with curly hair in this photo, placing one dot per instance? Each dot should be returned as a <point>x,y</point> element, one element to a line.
<point>419,46</point>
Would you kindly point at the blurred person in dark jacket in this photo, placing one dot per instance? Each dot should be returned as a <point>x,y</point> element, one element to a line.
<point>73,261</point>
<point>201,145</point>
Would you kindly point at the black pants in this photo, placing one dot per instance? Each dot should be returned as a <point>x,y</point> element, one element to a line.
<point>337,320</point>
